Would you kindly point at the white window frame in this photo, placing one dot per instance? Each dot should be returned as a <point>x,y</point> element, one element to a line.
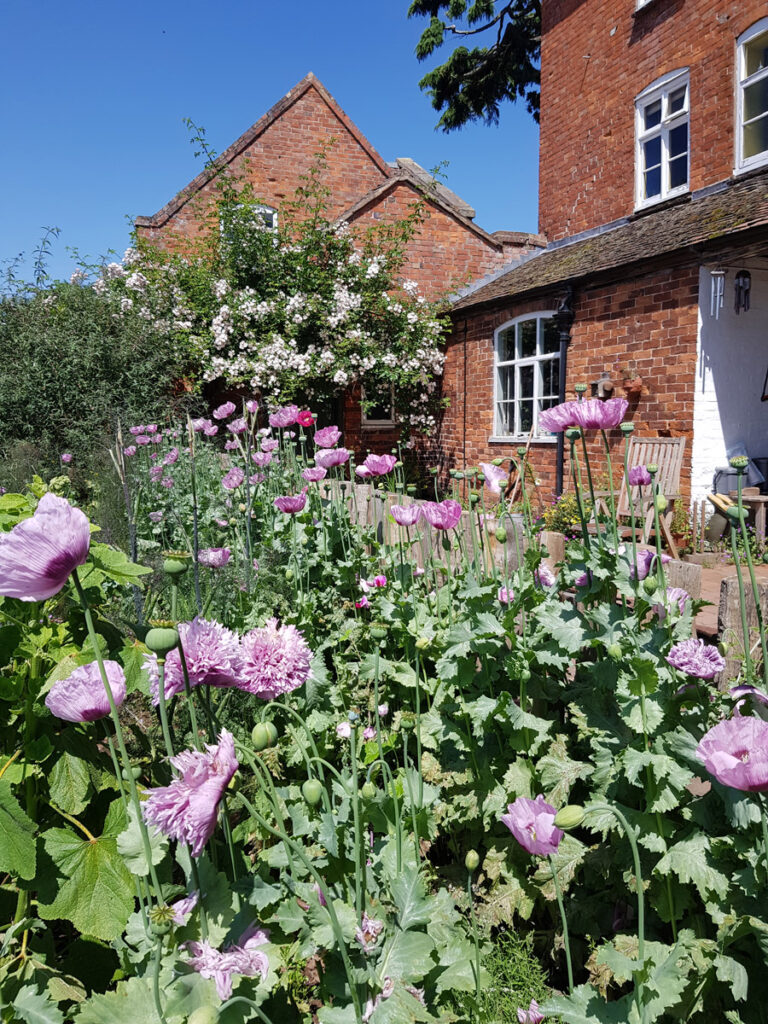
<point>660,90</point>
<point>372,424</point>
<point>259,208</point>
<point>743,82</point>
<point>517,363</point>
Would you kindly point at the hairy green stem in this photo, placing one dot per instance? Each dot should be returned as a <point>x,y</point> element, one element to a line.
<point>564,919</point>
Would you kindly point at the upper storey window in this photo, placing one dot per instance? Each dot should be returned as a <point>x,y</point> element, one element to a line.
<point>752,133</point>
<point>662,113</point>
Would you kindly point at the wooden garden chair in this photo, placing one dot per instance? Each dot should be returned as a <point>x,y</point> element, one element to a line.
<point>667,454</point>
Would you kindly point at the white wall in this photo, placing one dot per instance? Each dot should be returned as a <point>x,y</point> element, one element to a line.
<point>731,367</point>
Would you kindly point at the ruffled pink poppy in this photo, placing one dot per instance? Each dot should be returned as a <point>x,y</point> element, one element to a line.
<point>330,457</point>
<point>406,515</point>
<point>495,476</point>
<point>81,697</point>
<point>224,410</point>
<point>442,515</point>
<point>379,465</point>
<point>291,503</point>
<point>327,437</point>
<point>284,417</point>
<point>314,473</point>
<point>736,753</point>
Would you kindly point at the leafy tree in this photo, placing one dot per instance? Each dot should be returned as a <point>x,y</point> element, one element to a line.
<point>472,83</point>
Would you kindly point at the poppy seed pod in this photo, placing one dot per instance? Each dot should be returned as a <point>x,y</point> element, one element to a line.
<point>176,563</point>
<point>204,1015</point>
<point>162,638</point>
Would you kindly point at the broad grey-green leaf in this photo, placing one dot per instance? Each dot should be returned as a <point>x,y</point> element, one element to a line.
<point>116,565</point>
<point>400,1008</point>
<point>690,860</point>
<point>130,846</point>
<point>131,1003</point>
<point>409,895</point>
<point>69,782</point>
<point>17,836</point>
<point>35,1007</point>
<point>734,974</point>
<point>406,955</point>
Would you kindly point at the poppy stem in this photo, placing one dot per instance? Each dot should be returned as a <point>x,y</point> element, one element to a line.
<point>564,919</point>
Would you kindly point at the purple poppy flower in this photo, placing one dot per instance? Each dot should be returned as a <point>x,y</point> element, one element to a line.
<point>187,809</point>
<point>269,444</point>
<point>171,457</point>
<point>156,439</point>
<point>314,474</point>
<point>155,473</point>
<point>329,457</point>
<point>406,515</point>
<point>368,932</point>
<point>380,465</point>
<point>261,459</point>
<point>245,959</point>
<point>238,426</point>
<point>544,576</point>
<point>582,580</point>
<point>327,437</point>
<point>675,595</point>
<point>167,481</point>
<point>212,653</point>
<point>594,414</point>
<point>275,660</point>
<point>224,410</point>
<point>383,710</point>
<point>151,428</point>
<point>495,476</point>
<point>252,405</point>
<point>532,823</point>
<point>291,503</point>
<point>81,697</point>
<point>639,476</point>
<point>137,430</point>
<point>210,429</point>
<point>255,479</point>
<point>66,458</point>
<point>645,562</point>
<point>369,733</point>
<point>558,418</point>
<point>343,730</point>
<point>129,451</point>
<point>214,558</point>
<point>442,515</point>
<point>39,553</point>
<point>696,658</point>
<point>182,909</point>
<point>284,417</point>
<point>363,602</point>
<point>736,753</point>
<point>363,472</point>
<point>156,516</point>
<point>505,595</point>
<point>530,1016</point>
<point>233,479</point>
<point>231,446</point>
<point>142,439</point>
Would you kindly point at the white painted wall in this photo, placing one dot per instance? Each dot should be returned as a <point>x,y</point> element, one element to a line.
<point>731,367</point>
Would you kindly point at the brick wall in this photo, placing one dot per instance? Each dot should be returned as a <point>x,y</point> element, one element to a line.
<point>643,327</point>
<point>597,56</point>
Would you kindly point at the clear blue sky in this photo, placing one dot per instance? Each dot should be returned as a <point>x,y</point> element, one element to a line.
<point>93,96</point>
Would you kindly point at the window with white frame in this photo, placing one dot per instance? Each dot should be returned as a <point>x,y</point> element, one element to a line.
<point>752,102</point>
<point>378,407</point>
<point>662,113</point>
<point>244,214</point>
<point>526,372</point>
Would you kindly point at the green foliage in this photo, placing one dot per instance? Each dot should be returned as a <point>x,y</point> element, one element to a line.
<point>472,83</point>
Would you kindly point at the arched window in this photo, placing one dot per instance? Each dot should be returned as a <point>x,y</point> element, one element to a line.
<point>662,113</point>
<point>526,373</point>
<point>752,100</point>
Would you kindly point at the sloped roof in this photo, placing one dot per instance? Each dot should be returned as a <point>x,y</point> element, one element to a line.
<point>310,81</point>
<point>702,221</point>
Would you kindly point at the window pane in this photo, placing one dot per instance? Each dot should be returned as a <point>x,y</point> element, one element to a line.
<point>550,341</point>
<point>506,383</point>
<point>380,407</point>
<point>678,171</point>
<point>756,99</point>
<point>527,338</point>
<point>652,183</point>
<point>678,140</point>
<point>756,137</point>
<point>526,381</point>
<point>505,418</point>
<point>652,114</point>
<point>526,416</point>
<point>756,55</point>
<point>550,373</point>
<point>677,100</point>
<point>652,152</point>
<point>507,345</point>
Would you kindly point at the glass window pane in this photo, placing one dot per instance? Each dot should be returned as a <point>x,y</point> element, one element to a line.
<point>652,152</point>
<point>677,100</point>
<point>756,55</point>
<point>652,183</point>
<point>756,99</point>
<point>526,416</point>
<point>678,171</point>
<point>756,137</point>
<point>652,114</point>
<point>550,341</point>
<point>678,140</point>
<point>526,381</point>
<point>550,373</point>
<point>526,332</point>
<point>506,383</point>
<point>505,418</point>
<point>506,345</point>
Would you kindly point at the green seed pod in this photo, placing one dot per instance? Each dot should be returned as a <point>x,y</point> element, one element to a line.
<point>661,503</point>
<point>260,736</point>
<point>369,790</point>
<point>521,451</point>
<point>472,861</point>
<point>525,674</point>
<point>289,574</point>
<point>176,563</point>
<point>573,433</point>
<point>407,722</point>
<point>272,733</point>
<point>204,1015</point>
<point>501,534</point>
<point>474,498</point>
<point>497,462</point>
<point>446,542</point>
<point>614,651</point>
<point>312,791</point>
<point>162,639</point>
<point>650,585</point>
<point>378,630</point>
<point>626,427</point>
<point>570,816</point>
<point>579,388</point>
<point>160,928</point>
<point>739,462</point>
<point>135,773</point>
<point>652,469</point>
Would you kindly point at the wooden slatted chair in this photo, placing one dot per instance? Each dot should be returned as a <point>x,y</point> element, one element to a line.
<point>667,454</point>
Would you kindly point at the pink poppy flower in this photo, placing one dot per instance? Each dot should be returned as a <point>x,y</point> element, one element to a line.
<point>233,479</point>
<point>530,1016</point>
<point>212,653</point>
<point>383,710</point>
<point>544,576</point>
<point>224,410</point>
<point>368,932</point>
<point>645,562</point>
<point>151,428</point>
<point>142,439</point>
<point>675,595</point>
<point>363,602</point>
<point>255,480</point>
<point>305,418</point>
<point>137,430</point>
<point>269,444</point>
<point>39,553</point>
<point>406,515</point>
<point>379,465</point>
<point>182,909</point>
<point>245,959</point>
<point>558,418</point>
<point>369,733</point>
<point>736,753</point>
<point>291,503</point>
<point>262,459</point>
<point>495,476</point>
<point>187,809</point>
<point>210,429</point>
<point>363,472</point>
<point>238,426</point>
<point>379,581</point>
<point>275,660</point>
<point>231,446</point>
<point>284,417</point>
<point>252,405</point>
<point>314,474</point>
<point>327,437</point>
<point>329,457</point>
<point>505,595</point>
<point>639,476</point>
<point>594,414</point>
<point>344,730</point>
<point>156,517</point>
<point>443,515</point>
<point>129,451</point>
<point>167,481</point>
<point>214,558</point>
<point>81,697</point>
<point>696,658</point>
<point>66,458</point>
<point>171,457</point>
<point>155,473</point>
<point>156,439</point>
<point>532,823</point>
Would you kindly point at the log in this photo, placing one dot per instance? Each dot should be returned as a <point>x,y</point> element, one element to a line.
<point>729,627</point>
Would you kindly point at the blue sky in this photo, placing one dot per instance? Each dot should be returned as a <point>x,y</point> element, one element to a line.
<point>94,93</point>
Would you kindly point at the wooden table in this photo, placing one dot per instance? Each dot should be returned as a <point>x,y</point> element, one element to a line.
<point>757,502</point>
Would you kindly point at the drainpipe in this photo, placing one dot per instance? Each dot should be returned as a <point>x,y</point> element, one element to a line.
<point>563,318</point>
<point>464,403</point>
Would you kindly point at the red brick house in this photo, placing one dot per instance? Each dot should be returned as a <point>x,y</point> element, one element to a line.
<point>282,146</point>
<point>654,201</point>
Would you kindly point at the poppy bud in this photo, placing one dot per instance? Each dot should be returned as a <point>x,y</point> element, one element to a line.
<point>472,861</point>
<point>570,816</point>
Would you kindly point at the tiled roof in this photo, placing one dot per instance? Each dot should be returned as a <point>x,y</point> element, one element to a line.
<point>703,221</point>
